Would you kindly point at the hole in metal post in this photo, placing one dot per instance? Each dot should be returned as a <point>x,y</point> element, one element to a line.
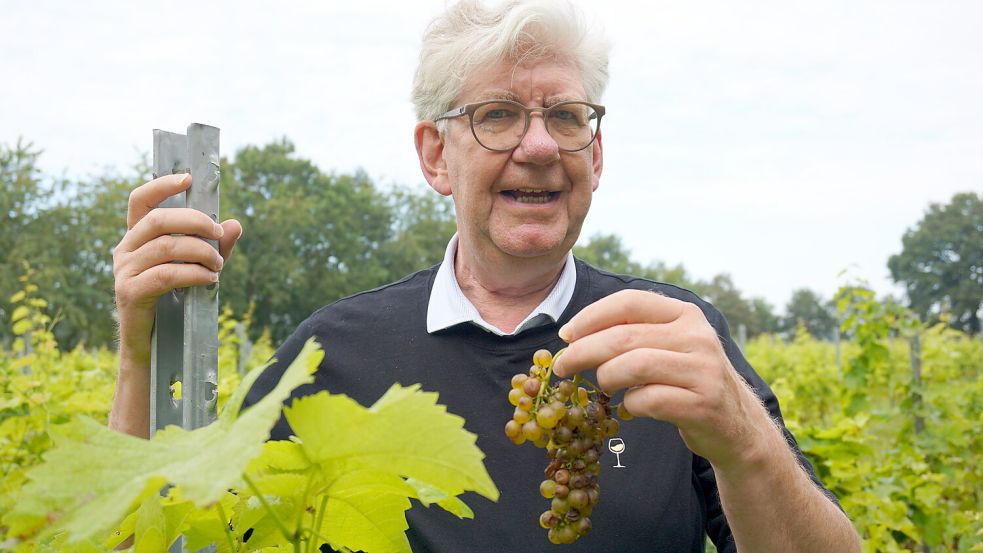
<point>176,391</point>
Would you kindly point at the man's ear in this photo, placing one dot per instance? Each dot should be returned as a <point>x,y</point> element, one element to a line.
<point>597,162</point>
<point>430,150</point>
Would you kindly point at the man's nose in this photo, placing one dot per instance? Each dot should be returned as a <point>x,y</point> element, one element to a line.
<point>537,146</point>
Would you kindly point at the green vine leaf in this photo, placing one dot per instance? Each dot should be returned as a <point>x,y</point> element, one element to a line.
<point>94,476</point>
<point>365,512</point>
<point>405,433</point>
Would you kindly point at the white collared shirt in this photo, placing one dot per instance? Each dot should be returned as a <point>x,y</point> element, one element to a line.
<point>449,306</point>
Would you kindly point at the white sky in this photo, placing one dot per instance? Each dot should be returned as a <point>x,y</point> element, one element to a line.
<point>777,141</point>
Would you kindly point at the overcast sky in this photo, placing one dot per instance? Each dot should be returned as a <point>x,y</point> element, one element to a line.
<point>780,142</point>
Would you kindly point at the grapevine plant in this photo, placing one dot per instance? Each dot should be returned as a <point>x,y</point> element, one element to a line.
<point>346,484</point>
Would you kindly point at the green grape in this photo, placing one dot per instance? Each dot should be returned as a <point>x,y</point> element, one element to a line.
<point>546,417</point>
<point>542,358</point>
<point>548,489</point>
<point>521,415</point>
<point>514,395</point>
<point>531,431</point>
<point>583,526</point>
<point>518,380</point>
<point>578,499</point>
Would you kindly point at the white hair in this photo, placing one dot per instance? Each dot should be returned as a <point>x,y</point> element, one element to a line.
<point>469,36</point>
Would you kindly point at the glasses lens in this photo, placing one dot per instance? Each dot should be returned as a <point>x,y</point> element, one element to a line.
<point>572,124</point>
<point>499,125</point>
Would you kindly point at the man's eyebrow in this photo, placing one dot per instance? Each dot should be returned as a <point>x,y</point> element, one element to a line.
<point>552,100</point>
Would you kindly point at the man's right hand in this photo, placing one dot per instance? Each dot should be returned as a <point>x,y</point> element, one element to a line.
<point>143,268</point>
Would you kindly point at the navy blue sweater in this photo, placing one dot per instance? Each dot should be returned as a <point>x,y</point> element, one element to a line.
<point>663,500</point>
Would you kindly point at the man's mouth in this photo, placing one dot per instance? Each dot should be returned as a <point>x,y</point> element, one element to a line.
<point>530,195</point>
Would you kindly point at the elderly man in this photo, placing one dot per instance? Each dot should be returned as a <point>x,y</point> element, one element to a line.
<point>507,99</point>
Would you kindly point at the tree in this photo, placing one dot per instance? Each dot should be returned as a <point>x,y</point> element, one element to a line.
<point>309,238</point>
<point>808,309</point>
<point>606,251</point>
<point>423,223</point>
<point>22,194</point>
<point>941,262</point>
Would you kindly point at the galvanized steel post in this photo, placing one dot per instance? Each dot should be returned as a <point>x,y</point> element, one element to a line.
<point>184,345</point>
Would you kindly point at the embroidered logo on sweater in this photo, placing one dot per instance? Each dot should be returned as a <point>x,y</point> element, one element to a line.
<point>617,446</point>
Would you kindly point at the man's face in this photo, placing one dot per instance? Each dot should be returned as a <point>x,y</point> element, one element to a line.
<point>530,201</point>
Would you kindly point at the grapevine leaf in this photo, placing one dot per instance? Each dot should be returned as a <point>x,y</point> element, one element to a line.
<point>426,493</point>
<point>204,527</point>
<point>150,527</point>
<point>405,433</point>
<point>234,403</point>
<point>280,456</point>
<point>123,532</point>
<point>265,531</point>
<point>19,313</point>
<point>456,507</point>
<point>93,475</point>
<point>282,485</point>
<point>22,327</point>
<point>366,511</point>
<point>429,495</point>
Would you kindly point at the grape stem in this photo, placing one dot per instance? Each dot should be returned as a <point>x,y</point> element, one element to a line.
<point>545,384</point>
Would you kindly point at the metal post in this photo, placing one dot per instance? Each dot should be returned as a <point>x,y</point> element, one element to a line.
<point>184,344</point>
<point>185,339</point>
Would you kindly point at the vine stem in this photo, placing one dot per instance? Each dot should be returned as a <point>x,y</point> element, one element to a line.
<point>318,520</point>
<point>279,523</point>
<point>300,515</point>
<point>225,525</point>
<point>544,384</point>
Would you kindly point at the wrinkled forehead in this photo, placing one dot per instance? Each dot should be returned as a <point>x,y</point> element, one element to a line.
<point>531,80</point>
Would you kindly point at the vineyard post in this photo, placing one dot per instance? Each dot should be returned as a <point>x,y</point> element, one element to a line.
<point>184,344</point>
<point>915,357</point>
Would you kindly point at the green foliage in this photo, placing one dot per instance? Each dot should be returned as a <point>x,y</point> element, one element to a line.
<point>346,484</point>
<point>905,484</point>
<point>941,262</point>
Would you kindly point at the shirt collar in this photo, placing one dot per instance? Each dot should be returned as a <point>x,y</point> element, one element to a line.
<point>449,306</point>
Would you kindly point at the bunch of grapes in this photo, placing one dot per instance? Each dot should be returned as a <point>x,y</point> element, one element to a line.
<point>571,422</point>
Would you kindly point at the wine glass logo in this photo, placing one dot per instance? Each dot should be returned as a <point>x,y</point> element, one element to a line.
<point>617,446</point>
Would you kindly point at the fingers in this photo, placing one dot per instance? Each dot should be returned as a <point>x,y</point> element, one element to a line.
<point>646,366</point>
<point>168,248</point>
<point>624,307</point>
<point>230,237</point>
<point>661,402</point>
<point>146,197</point>
<point>160,279</point>
<point>594,349</point>
<point>179,220</point>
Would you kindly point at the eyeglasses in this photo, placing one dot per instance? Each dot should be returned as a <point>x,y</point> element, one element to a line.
<point>500,125</point>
